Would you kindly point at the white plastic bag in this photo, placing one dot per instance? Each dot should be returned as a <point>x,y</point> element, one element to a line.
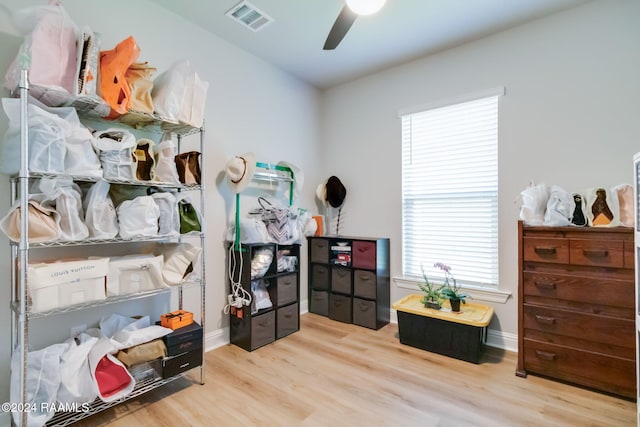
<point>50,42</point>
<point>169,220</point>
<point>602,207</point>
<point>47,148</point>
<point>138,217</point>
<point>81,158</point>
<point>100,214</point>
<point>115,147</point>
<point>252,230</point>
<point>76,385</point>
<point>42,382</point>
<point>534,200</point>
<point>66,196</point>
<point>559,207</point>
<point>180,95</point>
<point>166,170</point>
<point>261,298</point>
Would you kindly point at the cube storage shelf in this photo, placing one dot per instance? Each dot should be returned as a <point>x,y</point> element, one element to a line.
<point>261,327</point>
<point>349,279</point>
<point>455,334</point>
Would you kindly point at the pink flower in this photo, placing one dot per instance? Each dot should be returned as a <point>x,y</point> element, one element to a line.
<point>442,267</point>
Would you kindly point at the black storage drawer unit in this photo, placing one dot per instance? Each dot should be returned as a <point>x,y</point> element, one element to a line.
<point>251,330</point>
<point>183,362</point>
<point>349,279</point>
<point>183,339</point>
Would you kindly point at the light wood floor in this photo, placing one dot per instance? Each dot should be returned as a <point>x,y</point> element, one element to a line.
<point>334,374</point>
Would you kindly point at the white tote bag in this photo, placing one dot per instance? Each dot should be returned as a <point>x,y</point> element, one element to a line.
<point>100,214</point>
<point>138,217</point>
<point>134,273</point>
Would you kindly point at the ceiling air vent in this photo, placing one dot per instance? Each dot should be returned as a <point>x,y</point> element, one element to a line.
<point>249,16</point>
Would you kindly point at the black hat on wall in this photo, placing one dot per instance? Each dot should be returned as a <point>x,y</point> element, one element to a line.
<point>336,192</point>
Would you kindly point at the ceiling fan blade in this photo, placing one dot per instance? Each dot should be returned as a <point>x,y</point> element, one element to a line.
<point>340,27</point>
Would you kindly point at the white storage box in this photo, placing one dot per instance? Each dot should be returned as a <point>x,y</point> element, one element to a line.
<point>59,284</point>
<point>134,273</point>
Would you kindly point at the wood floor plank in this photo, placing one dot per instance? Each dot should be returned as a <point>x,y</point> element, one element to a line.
<point>335,374</point>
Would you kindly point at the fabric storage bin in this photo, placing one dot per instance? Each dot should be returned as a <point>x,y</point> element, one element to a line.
<point>134,273</point>
<point>341,280</point>
<point>288,320</point>
<point>319,303</point>
<point>364,254</point>
<point>340,308</point>
<point>263,329</point>
<point>287,289</point>
<point>60,284</point>
<point>320,277</point>
<point>364,313</point>
<point>364,284</point>
<point>320,251</point>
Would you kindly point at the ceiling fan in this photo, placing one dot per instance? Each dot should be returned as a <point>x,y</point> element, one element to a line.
<point>351,10</point>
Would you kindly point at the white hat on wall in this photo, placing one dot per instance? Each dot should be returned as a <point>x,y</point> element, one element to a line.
<point>239,171</point>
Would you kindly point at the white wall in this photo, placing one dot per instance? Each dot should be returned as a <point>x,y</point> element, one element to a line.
<point>569,117</point>
<point>250,107</point>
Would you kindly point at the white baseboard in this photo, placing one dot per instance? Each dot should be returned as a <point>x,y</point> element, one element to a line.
<point>304,306</point>
<point>216,339</point>
<point>498,339</point>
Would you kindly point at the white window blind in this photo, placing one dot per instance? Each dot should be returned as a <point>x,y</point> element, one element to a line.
<point>450,191</point>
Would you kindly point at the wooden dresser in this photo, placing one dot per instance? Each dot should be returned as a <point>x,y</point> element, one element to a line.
<point>576,303</point>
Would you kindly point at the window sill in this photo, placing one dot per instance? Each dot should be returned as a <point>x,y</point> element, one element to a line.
<point>477,293</point>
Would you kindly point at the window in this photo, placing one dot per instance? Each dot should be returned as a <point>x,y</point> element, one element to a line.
<point>450,190</point>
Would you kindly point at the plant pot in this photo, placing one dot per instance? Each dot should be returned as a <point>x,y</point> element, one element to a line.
<point>455,304</point>
<point>432,304</point>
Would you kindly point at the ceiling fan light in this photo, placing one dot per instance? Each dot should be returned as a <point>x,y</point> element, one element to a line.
<point>365,7</point>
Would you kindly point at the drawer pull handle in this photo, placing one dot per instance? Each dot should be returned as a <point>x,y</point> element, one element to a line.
<point>596,253</point>
<point>545,250</point>
<point>545,285</point>
<point>545,355</point>
<point>547,320</point>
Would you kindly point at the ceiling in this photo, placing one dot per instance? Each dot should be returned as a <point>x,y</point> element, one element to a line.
<point>402,31</point>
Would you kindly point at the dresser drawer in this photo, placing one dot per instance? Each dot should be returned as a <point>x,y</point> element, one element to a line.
<point>588,327</point>
<point>600,253</point>
<point>546,249</point>
<point>608,373</point>
<point>600,292</point>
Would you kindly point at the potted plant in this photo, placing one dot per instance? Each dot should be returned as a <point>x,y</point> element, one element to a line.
<point>451,290</point>
<point>432,295</point>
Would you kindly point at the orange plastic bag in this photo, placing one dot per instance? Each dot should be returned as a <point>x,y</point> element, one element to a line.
<point>114,64</point>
